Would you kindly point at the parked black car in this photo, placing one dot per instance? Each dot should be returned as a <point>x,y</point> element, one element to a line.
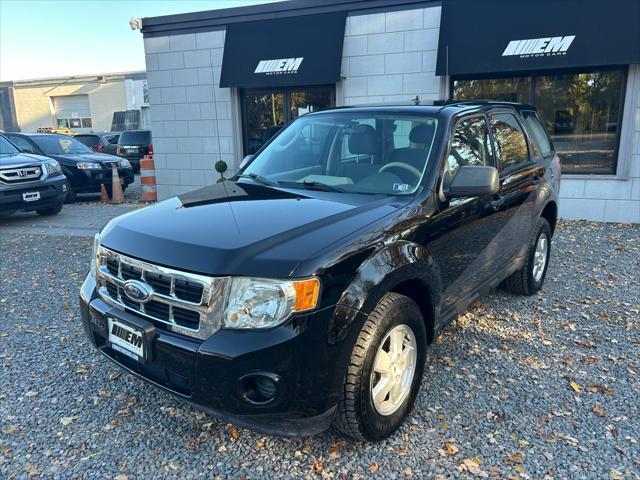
<point>103,142</point>
<point>134,145</point>
<point>29,183</point>
<point>305,290</point>
<point>85,169</point>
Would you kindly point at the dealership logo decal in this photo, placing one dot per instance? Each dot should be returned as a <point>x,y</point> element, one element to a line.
<point>279,66</point>
<point>539,47</point>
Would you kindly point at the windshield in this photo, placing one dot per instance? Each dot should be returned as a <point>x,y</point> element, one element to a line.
<point>6,147</point>
<point>59,144</point>
<point>377,153</point>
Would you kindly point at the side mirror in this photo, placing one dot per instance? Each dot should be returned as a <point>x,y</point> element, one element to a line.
<point>245,160</point>
<point>474,181</point>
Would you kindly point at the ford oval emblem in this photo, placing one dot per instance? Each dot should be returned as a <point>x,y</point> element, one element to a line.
<point>137,291</point>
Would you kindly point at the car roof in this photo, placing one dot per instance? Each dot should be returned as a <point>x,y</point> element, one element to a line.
<point>450,107</point>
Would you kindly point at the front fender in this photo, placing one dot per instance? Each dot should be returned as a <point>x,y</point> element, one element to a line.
<point>386,268</point>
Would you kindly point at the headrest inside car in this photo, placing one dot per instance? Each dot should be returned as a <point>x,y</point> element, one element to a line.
<point>362,140</point>
<point>421,134</point>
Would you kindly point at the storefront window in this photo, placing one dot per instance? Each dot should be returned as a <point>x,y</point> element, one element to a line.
<point>581,112</point>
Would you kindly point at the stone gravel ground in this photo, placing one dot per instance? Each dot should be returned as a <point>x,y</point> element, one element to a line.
<point>540,387</point>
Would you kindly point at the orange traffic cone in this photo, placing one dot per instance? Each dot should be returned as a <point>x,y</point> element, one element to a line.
<point>117,195</point>
<point>148,179</point>
<point>104,196</point>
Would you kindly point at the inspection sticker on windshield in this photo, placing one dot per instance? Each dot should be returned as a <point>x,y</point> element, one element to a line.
<point>400,187</point>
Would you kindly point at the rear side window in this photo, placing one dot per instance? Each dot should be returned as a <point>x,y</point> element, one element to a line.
<point>112,139</point>
<point>538,132</point>
<point>470,145</point>
<point>135,137</point>
<point>88,140</point>
<point>510,140</point>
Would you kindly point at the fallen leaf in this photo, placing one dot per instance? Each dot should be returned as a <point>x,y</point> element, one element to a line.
<point>451,449</point>
<point>31,394</point>
<point>576,388</point>
<point>234,434</point>
<point>598,411</point>
<point>514,458</point>
<point>373,468</point>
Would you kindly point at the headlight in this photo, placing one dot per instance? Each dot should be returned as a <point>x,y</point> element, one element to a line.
<point>53,168</point>
<point>124,163</point>
<point>89,166</point>
<point>94,253</point>
<point>264,303</point>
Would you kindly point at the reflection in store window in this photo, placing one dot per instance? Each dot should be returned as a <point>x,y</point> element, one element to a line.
<point>581,112</point>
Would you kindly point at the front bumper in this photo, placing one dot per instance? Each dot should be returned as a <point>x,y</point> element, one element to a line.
<point>208,373</point>
<point>94,178</point>
<point>52,193</point>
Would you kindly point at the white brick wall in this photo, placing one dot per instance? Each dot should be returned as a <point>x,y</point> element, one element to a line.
<point>611,198</point>
<point>391,57</point>
<point>190,113</point>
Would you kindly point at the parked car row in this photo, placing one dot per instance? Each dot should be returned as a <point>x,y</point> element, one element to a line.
<point>130,144</point>
<point>41,171</point>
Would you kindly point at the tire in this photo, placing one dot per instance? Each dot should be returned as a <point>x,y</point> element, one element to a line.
<point>528,280</point>
<point>357,414</point>
<point>71,193</point>
<point>45,212</point>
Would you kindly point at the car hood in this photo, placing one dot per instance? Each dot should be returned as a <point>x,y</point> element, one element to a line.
<point>87,157</point>
<point>19,159</point>
<point>242,228</point>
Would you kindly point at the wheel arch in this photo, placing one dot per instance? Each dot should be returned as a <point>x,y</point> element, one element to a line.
<point>550,214</point>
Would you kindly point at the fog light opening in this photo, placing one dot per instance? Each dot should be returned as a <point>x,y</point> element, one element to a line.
<point>259,388</point>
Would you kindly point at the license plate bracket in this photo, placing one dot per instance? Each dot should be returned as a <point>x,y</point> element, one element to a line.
<point>31,196</point>
<point>131,338</point>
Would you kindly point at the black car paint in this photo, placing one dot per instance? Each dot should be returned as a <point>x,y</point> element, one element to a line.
<point>140,145</point>
<point>100,141</point>
<point>51,188</point>
<point>442,253</point>
<point>83,181</point>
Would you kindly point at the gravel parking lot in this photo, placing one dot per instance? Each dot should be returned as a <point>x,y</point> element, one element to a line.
<point>546,386</point>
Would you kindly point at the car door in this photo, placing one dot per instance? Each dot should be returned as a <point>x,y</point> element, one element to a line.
<point>520,176</point>
<point>461,236</point>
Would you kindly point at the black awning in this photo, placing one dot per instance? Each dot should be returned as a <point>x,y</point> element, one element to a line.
<point>298,50</point>
<point>492,36</point>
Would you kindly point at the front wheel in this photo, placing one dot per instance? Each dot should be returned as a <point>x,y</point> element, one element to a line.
<point>529,279</point>
<point>384,375</point>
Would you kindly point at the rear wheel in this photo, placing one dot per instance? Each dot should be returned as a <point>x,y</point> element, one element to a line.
<point>529,279</point>
<point>50,211</point>
<point>384,375</point>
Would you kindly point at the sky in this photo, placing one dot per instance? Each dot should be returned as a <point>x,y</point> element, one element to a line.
<point>50,38</point>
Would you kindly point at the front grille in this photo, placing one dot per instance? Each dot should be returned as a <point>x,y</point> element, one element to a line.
<point>180,301</point>
<point>24,174</point>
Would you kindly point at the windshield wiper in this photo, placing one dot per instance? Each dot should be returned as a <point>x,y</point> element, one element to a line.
<point>315,186</point>
<point>258,179</point>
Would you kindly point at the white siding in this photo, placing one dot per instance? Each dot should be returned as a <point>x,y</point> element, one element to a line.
<point>390,57</point>
<point>190,113</point>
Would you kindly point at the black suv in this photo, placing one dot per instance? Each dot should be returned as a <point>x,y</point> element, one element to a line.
<point>103,142</point>
<point>305,290</point>
<point>134,145</point>
<point>29,183</point>
<point>85,169</point>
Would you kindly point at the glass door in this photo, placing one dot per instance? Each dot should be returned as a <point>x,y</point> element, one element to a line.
<point>265,112</point>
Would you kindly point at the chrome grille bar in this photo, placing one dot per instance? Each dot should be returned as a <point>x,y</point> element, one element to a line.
<point>21,174</point>
<point>209,308</point>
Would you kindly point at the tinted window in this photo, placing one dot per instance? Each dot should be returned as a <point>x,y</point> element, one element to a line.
<point>112,139</point>
<point>471,145</point>
<point>511,142</point>
<point>60,144</point>
<point>6,148</point>
<point>537,132</point>
<point>135,137</point>
<point>21,143</point>
<point>88,140</point>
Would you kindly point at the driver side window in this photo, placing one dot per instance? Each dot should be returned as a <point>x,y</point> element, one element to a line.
<point>471,145</point>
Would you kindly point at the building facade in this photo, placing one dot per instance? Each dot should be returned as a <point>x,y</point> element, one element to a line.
<point>80,103</point>
<point>222,82</point>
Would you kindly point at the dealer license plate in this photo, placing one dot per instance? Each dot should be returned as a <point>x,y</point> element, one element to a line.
<point>125,339</point>
<point>31,196</point>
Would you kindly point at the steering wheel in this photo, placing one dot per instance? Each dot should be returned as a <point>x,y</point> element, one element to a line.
<point>402,166</point>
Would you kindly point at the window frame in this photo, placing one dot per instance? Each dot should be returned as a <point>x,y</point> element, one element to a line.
<point>452,128</point>
<point>534,74</point>
<point>518,166</point>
